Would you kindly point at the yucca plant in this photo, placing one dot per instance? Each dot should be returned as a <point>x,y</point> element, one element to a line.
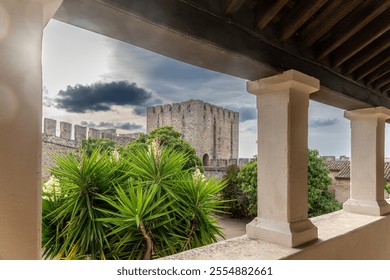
<point>137,213</point>
<point>165,209</point>
<point>72,213</point>
<point>144,206</point>
<point>198,203</point>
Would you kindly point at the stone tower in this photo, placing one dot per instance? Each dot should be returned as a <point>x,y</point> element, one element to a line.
<point>211,130</point>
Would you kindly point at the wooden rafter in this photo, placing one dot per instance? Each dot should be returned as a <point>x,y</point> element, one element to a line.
<point>372,65</point>
<point>367,54</point>
<point>386,89</point>
<point>301,13</point>
<point>344,43</point>
<point>349,26</point>
<point>356,43</point>
<point>267,12</point>
<point>330,16</point>
<point>385,69</point>
<point>232,6</point>
<point>379,84</point>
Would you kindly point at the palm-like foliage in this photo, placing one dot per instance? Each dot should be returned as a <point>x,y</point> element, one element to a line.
<point>73,213</point>
<point>144,206</point>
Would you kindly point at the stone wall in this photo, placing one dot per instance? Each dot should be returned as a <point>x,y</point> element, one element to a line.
<point>70,137</point>
<point>66,142</point>
<point>211,130</point>
<point>217,168</point>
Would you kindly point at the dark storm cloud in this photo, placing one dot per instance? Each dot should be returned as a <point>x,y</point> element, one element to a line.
<point>246,113</point>
<point>102,97</point>
<point>322,122</point>
<point>118,125</point>
<point>141,110</point>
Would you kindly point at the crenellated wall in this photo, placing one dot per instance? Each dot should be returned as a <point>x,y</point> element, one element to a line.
<point>53,144</point>
<point>211,130</point>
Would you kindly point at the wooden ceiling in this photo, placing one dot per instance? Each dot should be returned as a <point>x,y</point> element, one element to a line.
<point>343,43</point>
<point>351,37</point>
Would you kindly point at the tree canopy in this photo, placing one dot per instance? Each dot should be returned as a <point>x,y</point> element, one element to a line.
<point>167,136</point>
<point>320,199</point>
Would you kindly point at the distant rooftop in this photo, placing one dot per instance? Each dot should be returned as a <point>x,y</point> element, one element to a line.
<point>343,167</point>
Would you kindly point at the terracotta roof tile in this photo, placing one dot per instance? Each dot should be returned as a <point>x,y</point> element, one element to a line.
<point>336,165</point>
<point>344,173</point>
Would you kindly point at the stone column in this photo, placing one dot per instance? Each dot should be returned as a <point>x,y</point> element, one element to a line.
<point>21,29</point>
<point>367,161</point>
<point>282,103</point>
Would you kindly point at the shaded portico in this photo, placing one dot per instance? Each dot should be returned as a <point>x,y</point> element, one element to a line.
<point>282,80</point>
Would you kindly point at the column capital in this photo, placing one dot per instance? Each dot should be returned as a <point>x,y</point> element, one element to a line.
<point>50,7</point>
<point>287,80</point>
<point>368,113</point>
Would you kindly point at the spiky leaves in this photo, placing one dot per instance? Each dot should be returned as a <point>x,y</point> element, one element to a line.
<point>73,213</point>
<point>144,206</point>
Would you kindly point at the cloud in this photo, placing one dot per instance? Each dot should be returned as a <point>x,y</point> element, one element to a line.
<point>140,110</point>
<point>323,122</point>
<point>247,114</point>
<point>251,129</point>
<point>117,125</point>
<point>103,96</point>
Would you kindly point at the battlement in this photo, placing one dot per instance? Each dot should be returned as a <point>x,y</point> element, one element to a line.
<point>191,106</point>
<point>212,130</point>
<point>80,133</point>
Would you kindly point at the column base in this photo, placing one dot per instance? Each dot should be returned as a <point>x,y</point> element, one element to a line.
<point>367,207</point>
<point>282,233</point>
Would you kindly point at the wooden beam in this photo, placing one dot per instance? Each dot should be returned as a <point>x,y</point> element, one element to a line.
<point>302,11</point>
<point>232,6</point>
<point>350,25</point>
<point>386,89</point>
<point>182,31</point>
<point>329,17</point>
<point>378,74</point>
<point>367,53</point>
<point>267,11</point>
<point>372,65</point>
<point>368,34</point>
<point>385,80</point>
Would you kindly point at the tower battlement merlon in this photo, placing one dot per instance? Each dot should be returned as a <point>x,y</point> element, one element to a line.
<point>212,130</point>
<point>49,126</point>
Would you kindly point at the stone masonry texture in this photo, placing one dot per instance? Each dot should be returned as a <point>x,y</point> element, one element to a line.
<point>211,130</point>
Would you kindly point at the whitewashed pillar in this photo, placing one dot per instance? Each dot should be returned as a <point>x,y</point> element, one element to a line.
<point>367,161</point>
<point>282,103</point>
<point>21,29</point>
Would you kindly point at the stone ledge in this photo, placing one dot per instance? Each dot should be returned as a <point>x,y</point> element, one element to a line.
<point>333,229</point>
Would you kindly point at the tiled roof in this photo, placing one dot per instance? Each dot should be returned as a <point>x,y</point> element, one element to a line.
<point>344,173</point>
<point>336,165</point>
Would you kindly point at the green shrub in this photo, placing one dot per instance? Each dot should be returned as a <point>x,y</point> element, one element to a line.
<point>167,136</point>
<point>233,196</point>
<point>104,145</point>
<point>143,205</point>
<point>320,199</point>
<point>244,185</point>
<point>247,183</point>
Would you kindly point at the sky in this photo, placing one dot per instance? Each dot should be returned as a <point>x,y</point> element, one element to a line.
<point>82,70</point>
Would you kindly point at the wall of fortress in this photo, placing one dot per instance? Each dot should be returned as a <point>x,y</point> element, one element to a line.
<point>211,130</point>
<point>69,139</point>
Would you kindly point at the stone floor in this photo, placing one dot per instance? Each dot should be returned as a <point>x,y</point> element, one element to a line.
<point>232,227</point>
<point>340,236</point>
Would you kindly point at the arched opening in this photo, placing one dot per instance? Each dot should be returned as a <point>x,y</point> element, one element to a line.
<point>206,160</point>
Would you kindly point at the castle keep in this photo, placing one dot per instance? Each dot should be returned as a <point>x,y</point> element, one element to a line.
<point>211,130</point>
